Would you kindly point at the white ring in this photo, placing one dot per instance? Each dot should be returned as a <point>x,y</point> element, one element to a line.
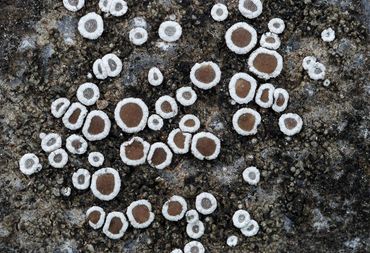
<point>29,164</point>
<point>175,33</point>
<point>108,220</point>
<point>241,112</point>
<point>99,26</point>
<point>117,184</point>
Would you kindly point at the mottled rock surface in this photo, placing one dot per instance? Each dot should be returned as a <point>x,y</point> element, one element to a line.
<point>314,190</point>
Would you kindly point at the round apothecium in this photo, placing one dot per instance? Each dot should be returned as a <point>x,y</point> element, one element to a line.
<point>170,31</point>
<point>206,203</point>
<point>91,26</point>
<point>219,12</point>
<point>29,164</point>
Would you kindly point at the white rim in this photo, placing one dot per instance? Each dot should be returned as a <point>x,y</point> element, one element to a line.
<point>308,61</point>
<point>81,96</point>
<point>201,85</point>
<point>219,7</point>
<point>72,149</point>
<point>117,184</point>
<point>328,35</point>
<point>103,134</point>
<point>94,163</point>
<point>247,175</point>
<point>131,217</point>
<point>100,223</point>
<point>251,229</point>
<point>25,168</point>
<point>143,121</point>
<point>264,43</point>
<point>260,91</point>
<point>122,231</point>
<point>188,247</point>
<point>170,38</point>
<point>169,156</point>
<point>241,112</point>
<point>86,182</point>
<point>155,72</point>
<point>285,94</point>
<point>198,203</point>
<point>274,29</point>
<point>252,90</point>
<point>120,12</point>
<point>248,13</point>
<point>192,216</point>
<point>138,41</point>
<point>80,119</point>
<point>178,217</point>
<point>191,233</point>
<point>263,75</point>
<point>171,101</point>
<point>51,147</point>
<point>99,69</point>
<point>104,5</point>
<point>172,144</point>
<point>99,26</point>
<point>185,128</point>
<point>57,113</point>
<point>232,241</point>
<point>312,71</point>
<point>74,8</point>
<point>112,57</point>
<point>155,126</point>
<point>195,151</point>
<point>241,223</point>
<point>293,131</point>
<point>183,101</point>
<point>63,160</point>
<point>128,161</point>
<point>241,50</point>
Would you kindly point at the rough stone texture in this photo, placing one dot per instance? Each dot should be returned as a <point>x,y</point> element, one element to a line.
<point>314,191</point>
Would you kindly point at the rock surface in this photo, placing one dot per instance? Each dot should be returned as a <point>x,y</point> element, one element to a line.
<point>314,189</point>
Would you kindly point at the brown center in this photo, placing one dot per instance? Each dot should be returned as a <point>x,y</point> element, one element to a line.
<point>141,213</point>
<point>115,225</point>
<point>280,100</point>
<point>179,140</point>
<point>290,123</point>
<point>81,179</point>
<point>205,74</point>
<point>166,107</point>
<point>265,63</point>
<point>74,116</point>
<point>189,123</point>
<point>105,183</point>
<point>135,150</point>
<point>241,37</point>
<point>206,146</point>
<point>270,40</point>
<point>94,217</point>
<point>96,126</point>
<point>131,114</point>
<point>242,88</point>
<point>159,156</point>
<point>76,144</point>
<point>174,208</point>
<point>247,121</point>
<point>59,106</point>
<point>187,95</point>
<point>250,5</point>
<point>206,203</point>
<point>265,95</point>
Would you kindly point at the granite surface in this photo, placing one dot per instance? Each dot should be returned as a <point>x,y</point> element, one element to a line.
<point>314,190</point>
